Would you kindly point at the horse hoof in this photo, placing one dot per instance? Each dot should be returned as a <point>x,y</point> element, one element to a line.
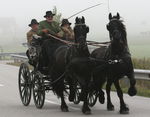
<point>64,109</point>
<point>132,91</point>
<point>86,111</point>
<point>110,108</point>
<point>102,100</point>
<point>124,111</point>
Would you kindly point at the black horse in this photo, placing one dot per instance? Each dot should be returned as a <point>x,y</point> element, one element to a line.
<point>62,55</point>
<point>117,51</point>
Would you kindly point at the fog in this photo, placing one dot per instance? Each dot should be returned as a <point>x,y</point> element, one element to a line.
<point>15,15</point>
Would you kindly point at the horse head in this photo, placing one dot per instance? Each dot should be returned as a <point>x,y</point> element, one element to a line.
<point>116,28</point>
<point>80,30</point>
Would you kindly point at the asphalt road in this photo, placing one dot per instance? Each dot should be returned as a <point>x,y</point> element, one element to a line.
<point>11,106</point>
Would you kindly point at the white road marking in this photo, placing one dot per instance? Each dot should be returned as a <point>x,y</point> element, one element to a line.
<point>1,85</point>
<point>49,101</point>
<point>52,102</point>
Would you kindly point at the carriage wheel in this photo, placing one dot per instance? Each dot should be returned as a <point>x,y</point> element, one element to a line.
<point>24,83</point>
<point>38,90</point>
<point>77,96</point>
<point>92,98</point>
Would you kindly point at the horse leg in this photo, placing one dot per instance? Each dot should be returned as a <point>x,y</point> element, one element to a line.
<point>60,93</point>
<point>101,92</point>
<point>101,96</point>
<point>123,107</point>
<point>63,106</point>
<point>132,90</point>
<point>110,106</point>
<point>85,107</point>
<point>59,89</point>
<point>71,88</point>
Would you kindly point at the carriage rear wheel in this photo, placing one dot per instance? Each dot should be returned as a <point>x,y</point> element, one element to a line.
<point>92,98</point>
<point>24,83</point>
<point>38,90</point>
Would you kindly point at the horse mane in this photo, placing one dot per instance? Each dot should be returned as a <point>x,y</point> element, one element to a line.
<point>123,30</point>
<point>124,35</point>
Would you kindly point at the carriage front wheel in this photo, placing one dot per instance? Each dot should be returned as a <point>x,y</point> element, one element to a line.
<point>38,90</point>
<point>24,83</point>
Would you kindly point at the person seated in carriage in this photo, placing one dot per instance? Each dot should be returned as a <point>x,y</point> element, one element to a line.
<point>49,26</point>
<point>32,42</point>
<point>34,30</point>
<point>67,30</point>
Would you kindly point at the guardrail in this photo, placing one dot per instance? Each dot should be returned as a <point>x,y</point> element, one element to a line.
<point>140,74</point>
<point>18,58</point>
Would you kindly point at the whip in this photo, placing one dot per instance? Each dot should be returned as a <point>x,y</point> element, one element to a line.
<point>84,10</point>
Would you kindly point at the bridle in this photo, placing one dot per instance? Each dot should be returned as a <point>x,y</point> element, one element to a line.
<point>115,30</point>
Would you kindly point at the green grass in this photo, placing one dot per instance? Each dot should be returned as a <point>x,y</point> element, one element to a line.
<point>141,63</point>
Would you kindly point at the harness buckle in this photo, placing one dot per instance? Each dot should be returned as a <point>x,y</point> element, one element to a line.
<point>114,61</point>
<point>110,61</point>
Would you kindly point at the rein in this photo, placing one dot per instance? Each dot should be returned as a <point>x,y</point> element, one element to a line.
<point>93,43</point>
<point>64,41</point>
<point>77,44</point>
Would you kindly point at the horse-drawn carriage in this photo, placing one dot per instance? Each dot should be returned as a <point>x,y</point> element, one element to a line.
<point>87,72</point>
<point>34,82</point>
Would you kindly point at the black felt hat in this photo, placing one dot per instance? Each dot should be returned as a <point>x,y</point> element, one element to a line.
<point>65,21</point>
<point>49,13</point>
<point>33,21</point>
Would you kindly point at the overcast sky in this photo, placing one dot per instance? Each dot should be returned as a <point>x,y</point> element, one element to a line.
<point>134,12</point>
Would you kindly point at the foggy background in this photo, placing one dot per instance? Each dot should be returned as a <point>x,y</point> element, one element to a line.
<point>15,15</point>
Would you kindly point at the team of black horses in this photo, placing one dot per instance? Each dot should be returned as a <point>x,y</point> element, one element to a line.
<point>75,64</point>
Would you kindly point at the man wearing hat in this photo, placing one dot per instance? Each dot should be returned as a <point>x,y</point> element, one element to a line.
<point>50,26</point>
<point>68,33</point>
<point>34,30</point>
